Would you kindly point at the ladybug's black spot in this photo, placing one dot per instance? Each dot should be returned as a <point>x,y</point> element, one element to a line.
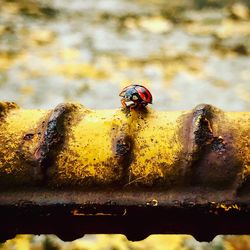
<point>146,95</point>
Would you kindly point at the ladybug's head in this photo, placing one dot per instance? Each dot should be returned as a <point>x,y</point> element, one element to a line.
<point>130,94</point>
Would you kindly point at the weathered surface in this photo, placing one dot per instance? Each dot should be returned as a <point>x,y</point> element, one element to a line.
<point>140,172</point>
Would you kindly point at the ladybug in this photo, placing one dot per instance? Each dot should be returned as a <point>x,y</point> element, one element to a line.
<point>135,96</point>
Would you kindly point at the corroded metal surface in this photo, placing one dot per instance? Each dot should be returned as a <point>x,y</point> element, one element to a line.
<point>72,171</point>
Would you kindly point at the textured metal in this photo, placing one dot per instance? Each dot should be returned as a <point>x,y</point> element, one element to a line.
<point>71,171</point>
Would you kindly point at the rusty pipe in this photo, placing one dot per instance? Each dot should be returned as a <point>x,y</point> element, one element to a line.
<point>135,172</point>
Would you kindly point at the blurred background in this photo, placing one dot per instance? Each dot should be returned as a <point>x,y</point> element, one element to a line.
<point>186,52</point>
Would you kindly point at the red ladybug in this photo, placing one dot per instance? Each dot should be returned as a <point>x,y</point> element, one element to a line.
<point>135,96</point>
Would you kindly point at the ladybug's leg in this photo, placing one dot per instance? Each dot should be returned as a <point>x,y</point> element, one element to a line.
<point>123,102</point>
<point>133,106</point>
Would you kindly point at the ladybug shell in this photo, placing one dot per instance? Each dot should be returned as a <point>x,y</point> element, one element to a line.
<point>142,91</point>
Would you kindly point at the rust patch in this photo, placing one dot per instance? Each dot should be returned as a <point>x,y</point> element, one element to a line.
<point>122,147</point>
<point>51,139</point>
<point>203,132</point>
<point>210,156</point>
<point>218,144</point>
<point>202,124</point>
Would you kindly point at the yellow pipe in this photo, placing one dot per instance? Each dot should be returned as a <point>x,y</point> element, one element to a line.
<point>75,146</point>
